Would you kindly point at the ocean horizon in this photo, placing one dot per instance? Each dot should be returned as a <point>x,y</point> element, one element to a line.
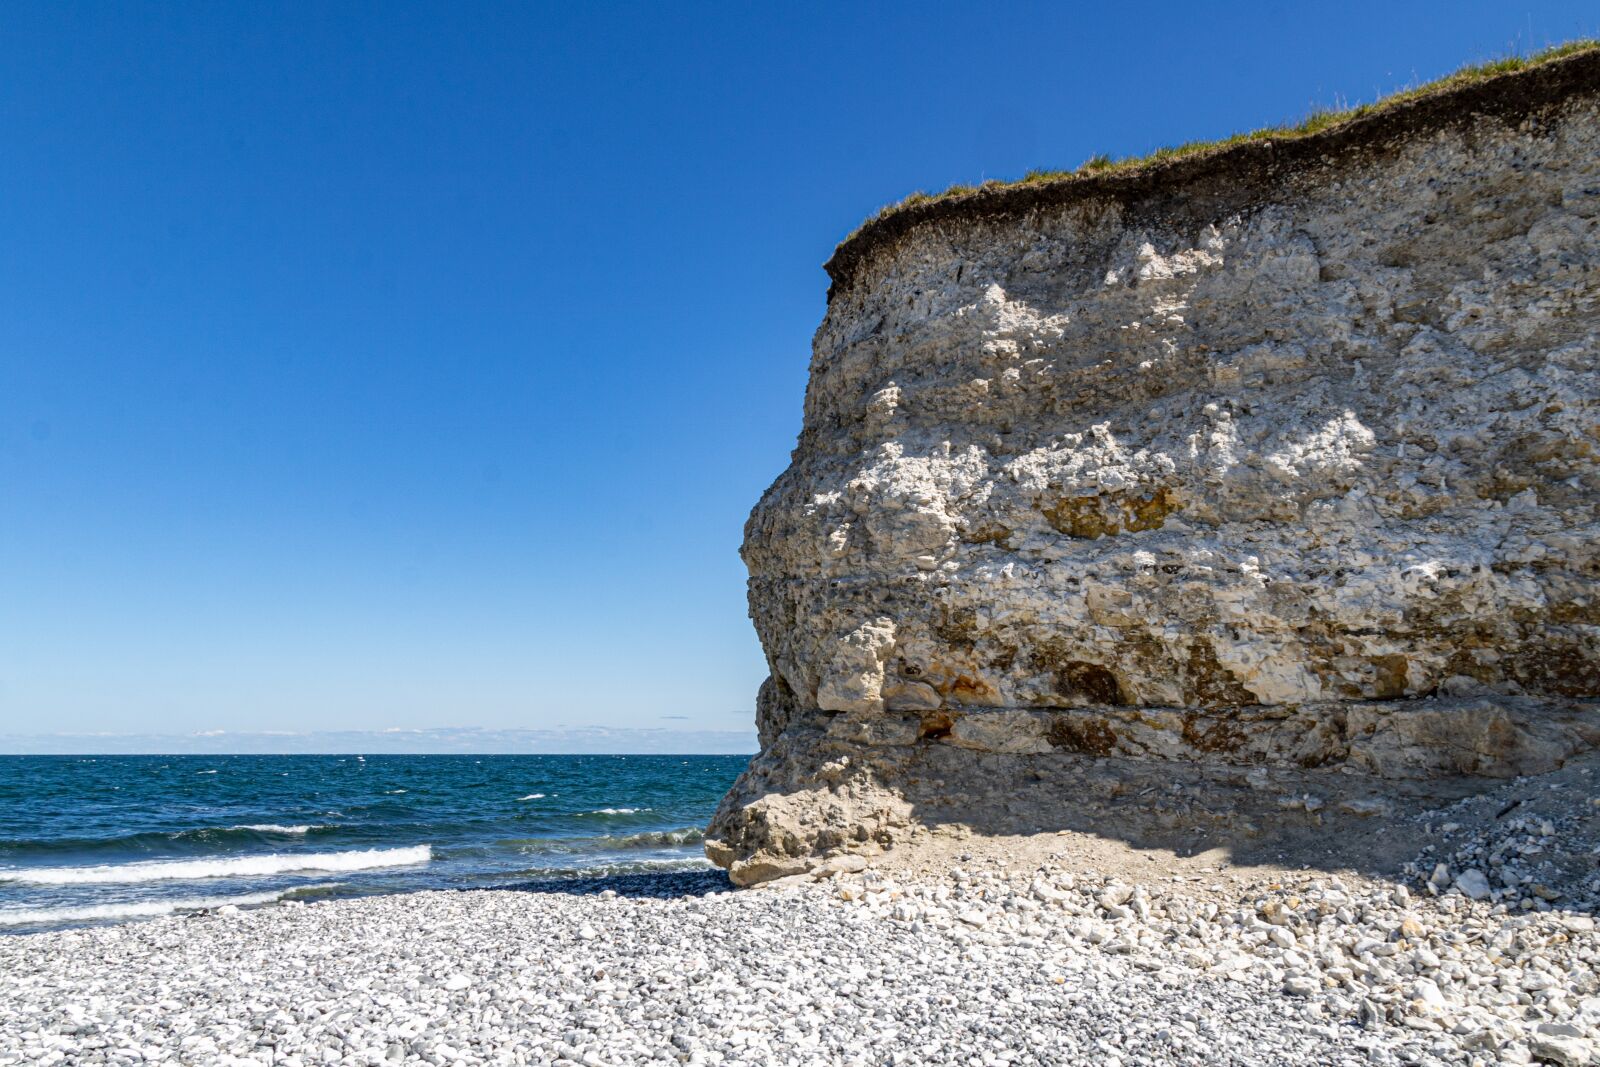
<point>88,838</point>
<point>399,741</point>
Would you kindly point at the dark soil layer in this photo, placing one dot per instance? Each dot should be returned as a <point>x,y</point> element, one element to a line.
<point>1194,189</point>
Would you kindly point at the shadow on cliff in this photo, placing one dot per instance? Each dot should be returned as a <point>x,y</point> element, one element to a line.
<point>1545,829</point>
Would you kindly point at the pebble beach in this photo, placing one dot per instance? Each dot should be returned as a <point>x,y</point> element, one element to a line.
<point>988,965</point>
<point>1478,948</point>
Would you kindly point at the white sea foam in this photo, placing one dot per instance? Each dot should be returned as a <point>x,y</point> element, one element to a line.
<point>532,796</point>
<point>639,866</point>
<point>395,792</point>
<point>618,811</point>
<point>140,909</point>
<point>231,867</point>
<point>654,838</point>
<point>258,827</point>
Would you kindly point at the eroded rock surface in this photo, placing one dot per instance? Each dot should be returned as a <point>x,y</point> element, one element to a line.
<point>1256,465</point>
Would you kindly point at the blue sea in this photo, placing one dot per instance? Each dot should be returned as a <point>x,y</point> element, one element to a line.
<point>92,839</point>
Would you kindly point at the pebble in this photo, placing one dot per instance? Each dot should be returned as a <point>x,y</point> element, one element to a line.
<point>1474,884</point>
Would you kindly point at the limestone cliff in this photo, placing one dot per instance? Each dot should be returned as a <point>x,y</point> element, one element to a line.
<point>1275,465</point>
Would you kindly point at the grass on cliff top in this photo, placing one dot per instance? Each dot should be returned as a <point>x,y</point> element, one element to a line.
<point>1316,122</point>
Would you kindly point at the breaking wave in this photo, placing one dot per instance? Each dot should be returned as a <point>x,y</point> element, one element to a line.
<point>231,867</point>
<point>691,835</point>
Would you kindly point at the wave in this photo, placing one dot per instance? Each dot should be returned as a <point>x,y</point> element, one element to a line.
<point>532,796</point>
<point>232,867</point>
<point>683,863</point>
<point>688,835</point>
<point>691,835</point>
<point>156,839</point>
<point>606,870</point>
<point>142,909</point>
<point>619,811</point>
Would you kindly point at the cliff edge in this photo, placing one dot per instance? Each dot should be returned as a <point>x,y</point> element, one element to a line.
<point>1229,497</point>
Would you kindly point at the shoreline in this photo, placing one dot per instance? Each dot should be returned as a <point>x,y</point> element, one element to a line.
<point>138,837</point>
<point>1009,956</point>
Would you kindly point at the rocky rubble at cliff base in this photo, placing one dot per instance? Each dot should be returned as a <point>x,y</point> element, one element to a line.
<point>813,794</point>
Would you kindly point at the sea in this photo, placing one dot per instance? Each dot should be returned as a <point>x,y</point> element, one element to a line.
<point>101,839</point>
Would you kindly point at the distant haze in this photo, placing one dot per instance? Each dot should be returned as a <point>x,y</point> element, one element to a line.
<point>441,740</point>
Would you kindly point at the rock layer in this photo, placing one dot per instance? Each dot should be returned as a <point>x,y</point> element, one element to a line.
<point>1281,459</point>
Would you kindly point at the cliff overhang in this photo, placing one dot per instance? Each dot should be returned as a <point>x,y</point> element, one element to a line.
<point>1229,178</point>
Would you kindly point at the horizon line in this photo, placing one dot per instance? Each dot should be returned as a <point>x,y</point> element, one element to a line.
<point>363,754</point>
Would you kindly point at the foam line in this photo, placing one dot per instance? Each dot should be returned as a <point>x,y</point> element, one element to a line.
<point>231,867</point>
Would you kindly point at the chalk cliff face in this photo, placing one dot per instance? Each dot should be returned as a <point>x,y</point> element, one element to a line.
<point>1278,463</point>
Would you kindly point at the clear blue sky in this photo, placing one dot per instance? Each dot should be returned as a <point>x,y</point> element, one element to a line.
<point>371,366</point>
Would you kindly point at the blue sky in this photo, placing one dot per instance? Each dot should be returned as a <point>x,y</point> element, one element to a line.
<point>392,366</point>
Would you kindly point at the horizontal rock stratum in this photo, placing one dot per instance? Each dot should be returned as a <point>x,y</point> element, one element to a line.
<point>1139,504</point>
